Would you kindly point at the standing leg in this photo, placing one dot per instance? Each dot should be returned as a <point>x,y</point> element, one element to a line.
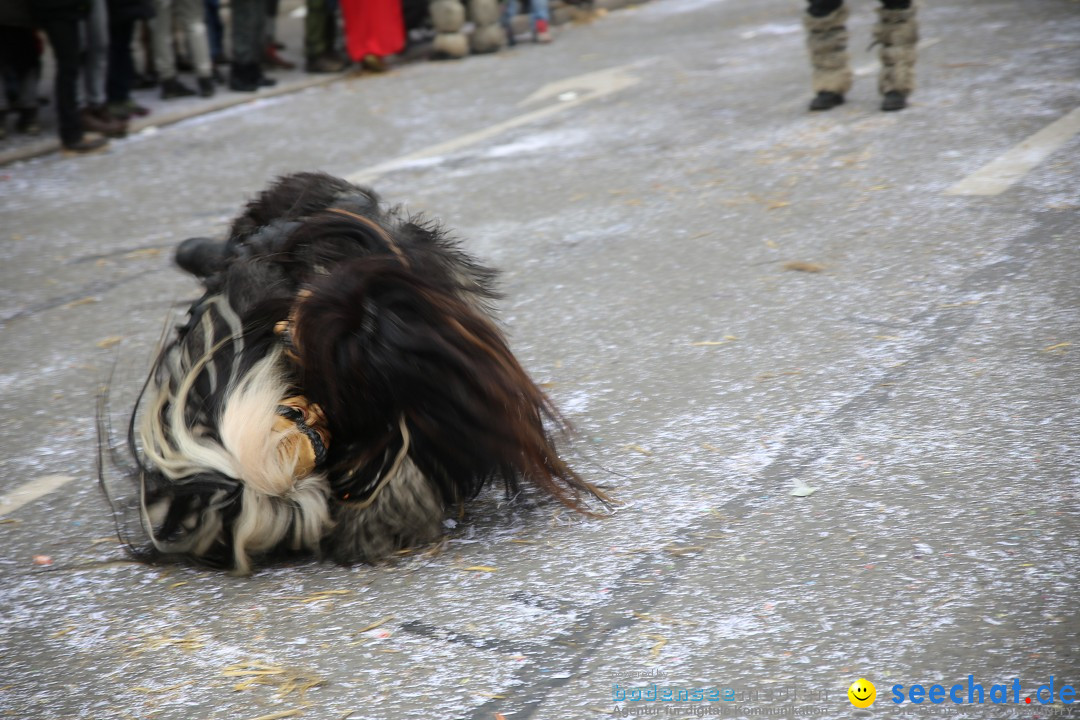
<point>541,18</point>
<point>898,32</point>
<point>96,45</point>
<point>248,21</point>
<point>510,10</point>
<point>95,116</point>
<point>121,64</point>
<point>192,16</point>
<point>826,38</point>
<point>21,65</point>
<point>271,56</point>
<point>215,30</point>
<point>161,32</point>
<point>64,38</point>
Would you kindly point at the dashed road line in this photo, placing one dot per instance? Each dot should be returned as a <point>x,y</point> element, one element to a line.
<point>1002,173</point>
<point>569,92</point>
<point>28,492</point>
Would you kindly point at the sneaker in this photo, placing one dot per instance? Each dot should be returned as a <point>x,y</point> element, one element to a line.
<point>86,146</point>
<point>173,88</point>
<point>543,32</point>
<point>206,87</point>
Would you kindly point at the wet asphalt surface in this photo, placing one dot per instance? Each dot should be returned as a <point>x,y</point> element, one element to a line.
<point>916,367</point>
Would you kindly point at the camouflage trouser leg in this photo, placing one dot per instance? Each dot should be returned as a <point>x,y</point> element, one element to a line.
<point>897,31</point>
<point>318,29</point>
<point>826,39</point>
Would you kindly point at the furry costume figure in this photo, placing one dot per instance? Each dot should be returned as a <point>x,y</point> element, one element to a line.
<point>339,386</point>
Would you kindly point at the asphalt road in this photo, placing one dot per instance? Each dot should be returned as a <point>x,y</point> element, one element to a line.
<point>730,297</point>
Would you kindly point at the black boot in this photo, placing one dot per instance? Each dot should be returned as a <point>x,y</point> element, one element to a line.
<point>826,100</point>
<point>244,77</point>
<point>264,80</point>
<point>206,87</point>
<point>28,122</point>
<point>893,100</point>
<point>173,88</point>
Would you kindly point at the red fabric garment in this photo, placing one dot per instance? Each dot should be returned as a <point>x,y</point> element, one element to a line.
<point>373,27</point>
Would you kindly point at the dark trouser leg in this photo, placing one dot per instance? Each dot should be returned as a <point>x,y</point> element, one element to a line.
<point>21,64</point>
<point>215,29</point>
<point>248,21</point>
<point>64,39</point>
<point>121,64</point>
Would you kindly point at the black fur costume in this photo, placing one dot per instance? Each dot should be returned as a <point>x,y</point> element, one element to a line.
<point>336,390</point>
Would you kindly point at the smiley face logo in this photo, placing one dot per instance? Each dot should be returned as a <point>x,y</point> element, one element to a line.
<point>862,693</point>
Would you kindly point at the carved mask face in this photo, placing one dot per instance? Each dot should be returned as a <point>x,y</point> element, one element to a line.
<point>305,438</point>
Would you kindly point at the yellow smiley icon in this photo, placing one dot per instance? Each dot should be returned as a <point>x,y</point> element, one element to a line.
<point>862,693</point>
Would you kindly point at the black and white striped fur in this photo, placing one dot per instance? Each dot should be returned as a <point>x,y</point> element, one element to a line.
<point>379,322</point>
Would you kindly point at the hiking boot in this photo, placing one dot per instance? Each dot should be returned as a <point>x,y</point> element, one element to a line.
<point>173,88</point>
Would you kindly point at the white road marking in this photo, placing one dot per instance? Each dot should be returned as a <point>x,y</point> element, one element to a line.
<point>872,67</point>
<point>1000,174</point>
<point>31,491</point>
<point>570,92</point>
